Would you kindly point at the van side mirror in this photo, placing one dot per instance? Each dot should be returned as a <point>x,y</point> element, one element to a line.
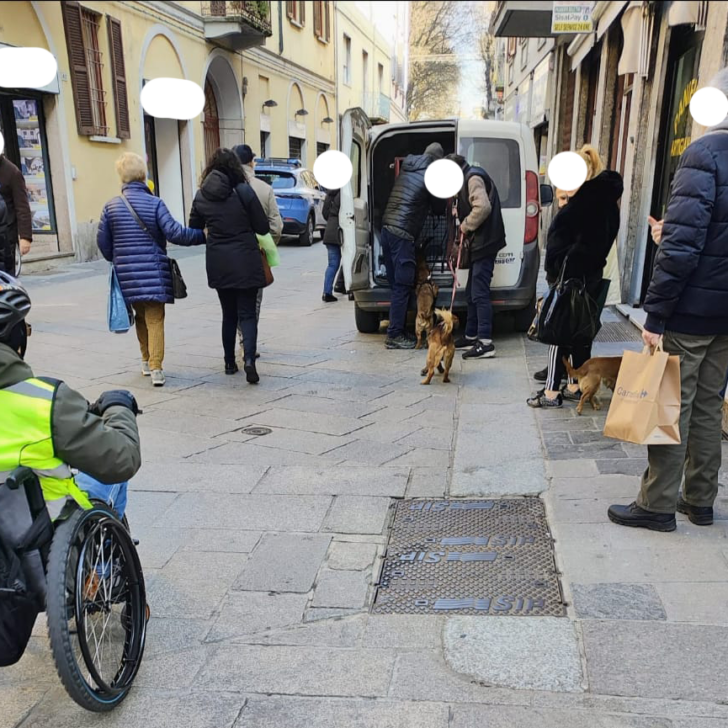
<point>547,195</point>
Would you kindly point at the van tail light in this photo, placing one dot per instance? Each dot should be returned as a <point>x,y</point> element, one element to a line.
<point>532,208</point>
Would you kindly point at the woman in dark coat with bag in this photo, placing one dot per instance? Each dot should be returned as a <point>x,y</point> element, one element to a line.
<point>332,241</point>
<point>579,240</point>
<point>228,207</point>
<point>140,257</point>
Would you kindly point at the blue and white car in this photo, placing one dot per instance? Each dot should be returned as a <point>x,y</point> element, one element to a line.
<point>300,198</point>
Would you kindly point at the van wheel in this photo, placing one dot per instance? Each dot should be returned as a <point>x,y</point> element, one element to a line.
<point>306,237</point>
<point>367,322</point>
<point>524,318</point>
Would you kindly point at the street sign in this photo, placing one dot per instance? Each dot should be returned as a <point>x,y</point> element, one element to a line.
<point>572,17</point>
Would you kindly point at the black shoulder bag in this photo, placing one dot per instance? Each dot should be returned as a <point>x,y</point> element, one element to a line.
<point>179,287</point>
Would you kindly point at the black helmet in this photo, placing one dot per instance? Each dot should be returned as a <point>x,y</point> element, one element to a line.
<point>14,304</point>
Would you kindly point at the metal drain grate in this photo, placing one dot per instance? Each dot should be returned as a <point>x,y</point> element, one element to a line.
<point>470,557</point>
<point>617,331</point>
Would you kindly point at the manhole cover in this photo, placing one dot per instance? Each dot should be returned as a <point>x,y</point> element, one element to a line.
<point>257,431</point>
<point>470,557</point>
<point>617,331</point>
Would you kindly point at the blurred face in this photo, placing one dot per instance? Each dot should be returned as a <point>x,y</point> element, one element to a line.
<point>562,197</point>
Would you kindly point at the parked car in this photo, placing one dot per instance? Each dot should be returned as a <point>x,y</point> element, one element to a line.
<point>505,149</point>
<point>300,198</point>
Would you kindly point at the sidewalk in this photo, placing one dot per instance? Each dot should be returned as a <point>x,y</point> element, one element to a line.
<point>260,551</point>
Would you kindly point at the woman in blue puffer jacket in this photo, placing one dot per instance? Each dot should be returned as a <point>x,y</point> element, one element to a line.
<point>140,257</point>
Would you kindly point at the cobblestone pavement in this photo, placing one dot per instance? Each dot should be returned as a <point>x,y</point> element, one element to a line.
<point>259,551</point>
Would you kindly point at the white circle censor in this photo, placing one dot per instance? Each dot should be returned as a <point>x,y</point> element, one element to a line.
<point>709,106</point>
<point>444,179</point>
<point>172,98</point>
<point>26,67</point>
<point>2,143</point>
<point>567,171</point>
<point>332,170</point>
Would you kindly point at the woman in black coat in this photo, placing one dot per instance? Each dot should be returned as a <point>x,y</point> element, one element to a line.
<point>332,241</point>
<point>578,243</point>
<point>230,210</point>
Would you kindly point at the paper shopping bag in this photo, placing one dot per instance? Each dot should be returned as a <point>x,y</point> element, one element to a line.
<point>645,407</point>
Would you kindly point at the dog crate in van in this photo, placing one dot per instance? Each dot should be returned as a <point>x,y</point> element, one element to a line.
<point>505,150</point>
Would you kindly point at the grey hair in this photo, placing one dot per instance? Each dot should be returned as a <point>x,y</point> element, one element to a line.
<point>720,80</point>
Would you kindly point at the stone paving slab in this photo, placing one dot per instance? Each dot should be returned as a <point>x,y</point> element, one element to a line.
<point>423,457</point>
<point>704,603</point>
<point>325,424</point>
<point>348,480</point>
<point>342,633</point>
<point>367,453</point>
<point>253,455</point>
<point>16,703</point>
<point>341,589</point>
<point>186,476</point>
<point>617,601</point>
<point>347,556</point>
<point>312,443</point>
<point>411,632</point>
<point>357,514</point>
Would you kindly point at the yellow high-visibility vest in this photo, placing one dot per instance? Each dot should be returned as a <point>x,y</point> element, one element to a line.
<point>26,439</point>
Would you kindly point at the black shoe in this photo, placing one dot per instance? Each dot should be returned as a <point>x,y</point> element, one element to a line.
<point>328,298</point>
<point>570,396</point>
<point>699,515</point>
<point>400,342</point>
<point>464,342</point>
<point>541,400</point>
<point>231,368</point>
<point>633,515</point>
<point>339,289</point>
<point>251,373</point>
<point>480,351</point>
<point>542,376</point>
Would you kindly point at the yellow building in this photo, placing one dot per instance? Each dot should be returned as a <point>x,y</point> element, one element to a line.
<point>267,68</point>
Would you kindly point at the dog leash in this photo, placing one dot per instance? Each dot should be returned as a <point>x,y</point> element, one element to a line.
<point>454,270</point>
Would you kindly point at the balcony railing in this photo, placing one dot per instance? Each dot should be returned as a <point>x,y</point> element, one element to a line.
<point>237,24</point>
<point>377,106</point>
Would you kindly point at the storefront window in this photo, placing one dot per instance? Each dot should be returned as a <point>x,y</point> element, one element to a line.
<point>23,127</point>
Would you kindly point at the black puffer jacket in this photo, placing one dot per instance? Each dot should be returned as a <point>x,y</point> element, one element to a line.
<point>232,218</point>
<point>332,203</point>
<point>689,289</point>
<point>409,201</point>
<point>585,230</point>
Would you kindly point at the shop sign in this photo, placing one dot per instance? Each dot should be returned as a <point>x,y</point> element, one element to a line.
<point>681,122</point>
<point>572,17</point>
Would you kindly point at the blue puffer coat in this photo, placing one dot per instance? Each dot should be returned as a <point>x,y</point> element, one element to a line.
<point>141,263</point>
<point>688,293</point>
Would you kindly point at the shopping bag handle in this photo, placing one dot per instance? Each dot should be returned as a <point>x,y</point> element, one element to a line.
<point>653,349</point>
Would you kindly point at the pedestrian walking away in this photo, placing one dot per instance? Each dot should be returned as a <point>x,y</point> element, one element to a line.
<point>403,219</point>
<point>479,209</point>
<point>228,207</point>
<point>578,243</point>
<point>19,218</point>
<point>687,308</point>
<point>332,241</point>
<point>140,257</point>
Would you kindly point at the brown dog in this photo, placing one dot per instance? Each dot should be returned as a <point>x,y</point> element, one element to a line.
<point>441,346</point>
<point>591,375</point>
<point>426,297</point>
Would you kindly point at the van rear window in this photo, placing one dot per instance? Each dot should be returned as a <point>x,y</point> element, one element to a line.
<point>501,159</point>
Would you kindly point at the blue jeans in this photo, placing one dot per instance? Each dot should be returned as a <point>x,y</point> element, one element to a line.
<point>480,309</point>
<point>399,258</point>
<point>334,252</point>
<point>115,495</point>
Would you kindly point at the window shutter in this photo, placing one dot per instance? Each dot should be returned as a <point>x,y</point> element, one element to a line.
<point>118,75</point>
<point>327,20</point>
<point>302,12</point>
<point>290,8</point>
<point>72,24</point>
<point>317,29</point>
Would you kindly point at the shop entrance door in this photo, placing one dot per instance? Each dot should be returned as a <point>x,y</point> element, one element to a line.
<point>675,126</point>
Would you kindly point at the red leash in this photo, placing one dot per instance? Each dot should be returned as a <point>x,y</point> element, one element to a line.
<point>454,270</point>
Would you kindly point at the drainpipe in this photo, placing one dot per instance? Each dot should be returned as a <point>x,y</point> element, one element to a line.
<point>280,27</point>
<point>336,75</point>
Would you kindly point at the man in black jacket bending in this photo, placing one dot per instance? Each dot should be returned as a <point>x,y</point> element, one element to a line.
<point>404,216</point>
<point>687,307</point>
<point>481,220</point>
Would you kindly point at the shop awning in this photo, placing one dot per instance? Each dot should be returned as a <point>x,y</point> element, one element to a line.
<point>688,13</point>
<point>610,14</point>
<point>637,30</point>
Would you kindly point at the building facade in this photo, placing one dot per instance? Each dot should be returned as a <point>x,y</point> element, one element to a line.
<point>626,89</point>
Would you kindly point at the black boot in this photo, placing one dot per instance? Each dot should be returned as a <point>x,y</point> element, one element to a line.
<point>700,516</point>
<point>633,515</point>
<point>251,373</point>
<point>231,367</point>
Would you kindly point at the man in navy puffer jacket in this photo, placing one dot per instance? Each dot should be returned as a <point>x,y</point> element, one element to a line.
<point>687,305</point>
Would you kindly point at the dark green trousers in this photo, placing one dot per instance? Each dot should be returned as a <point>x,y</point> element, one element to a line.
<point>703,366</point>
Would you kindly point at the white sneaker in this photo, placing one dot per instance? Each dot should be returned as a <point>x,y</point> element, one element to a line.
<point>158,378</point>
<point>146,371</point>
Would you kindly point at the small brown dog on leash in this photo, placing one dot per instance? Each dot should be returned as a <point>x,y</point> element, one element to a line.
<point>427,292</point>
<point>591,375</point>
<point>441,347</point>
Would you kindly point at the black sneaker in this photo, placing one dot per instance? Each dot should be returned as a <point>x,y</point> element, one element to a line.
<point>328,298</point>
<point>400,342</point>
<point>570,396</point>
<point>540,400</point>
<point>251,373</point>
<point>464,342</point>
<point>480,351</point>
<point>636,517</point>
<point>231,368</point>
<point>699,515</point>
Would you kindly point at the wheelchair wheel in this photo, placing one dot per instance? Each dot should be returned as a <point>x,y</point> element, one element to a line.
<point>96,605</point>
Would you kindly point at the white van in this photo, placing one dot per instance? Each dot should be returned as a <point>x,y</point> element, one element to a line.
<point>505,150</point>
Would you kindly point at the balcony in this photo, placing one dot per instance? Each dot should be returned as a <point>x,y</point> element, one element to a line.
<point>523,19</point>
<point>237,24</point>
<point>377,108</point>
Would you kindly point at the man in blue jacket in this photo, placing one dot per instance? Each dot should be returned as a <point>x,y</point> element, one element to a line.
<point>687,307</point>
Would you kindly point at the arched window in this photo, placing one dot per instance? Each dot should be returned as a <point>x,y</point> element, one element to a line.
<point>211,122</point>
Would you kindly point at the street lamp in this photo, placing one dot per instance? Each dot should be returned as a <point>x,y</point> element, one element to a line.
<point>327,120</point>
<point>269,104</point>
<point>302,112</point>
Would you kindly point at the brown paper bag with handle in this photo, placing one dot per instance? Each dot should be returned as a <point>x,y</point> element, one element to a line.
<point>645,407</point>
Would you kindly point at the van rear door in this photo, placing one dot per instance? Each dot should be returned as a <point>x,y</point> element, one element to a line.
<point>354,209</point>
<point>500,153</point>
